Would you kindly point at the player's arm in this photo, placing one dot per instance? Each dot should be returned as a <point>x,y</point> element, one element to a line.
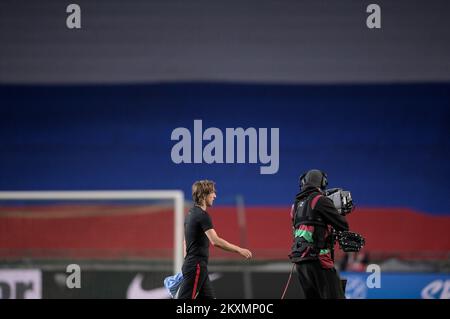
<point>184,248</point>
<point>216,241</point>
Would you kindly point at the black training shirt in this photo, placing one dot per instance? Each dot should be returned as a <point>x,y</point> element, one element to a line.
<point>196,223</point>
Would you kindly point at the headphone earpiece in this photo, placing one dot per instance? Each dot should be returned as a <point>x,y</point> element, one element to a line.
<point>324,182</point>
<point>302,180</point>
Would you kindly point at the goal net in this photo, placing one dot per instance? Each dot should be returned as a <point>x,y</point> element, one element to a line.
<point>112,225</point>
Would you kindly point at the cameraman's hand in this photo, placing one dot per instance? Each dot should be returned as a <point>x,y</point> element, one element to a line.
<point>245,253</point>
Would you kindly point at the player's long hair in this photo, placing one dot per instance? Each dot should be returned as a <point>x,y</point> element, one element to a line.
<point>201,189</point>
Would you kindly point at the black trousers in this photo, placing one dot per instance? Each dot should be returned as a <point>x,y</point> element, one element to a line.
<point>196,283</point>
<point>317,282</point>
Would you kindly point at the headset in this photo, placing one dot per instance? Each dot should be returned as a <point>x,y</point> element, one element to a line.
<point>323,182</point>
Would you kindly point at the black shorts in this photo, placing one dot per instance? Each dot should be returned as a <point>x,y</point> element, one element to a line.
<point>317,282</point>
<point>196,283</point>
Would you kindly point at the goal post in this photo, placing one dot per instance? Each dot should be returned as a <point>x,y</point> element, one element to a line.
<point>176,195</point>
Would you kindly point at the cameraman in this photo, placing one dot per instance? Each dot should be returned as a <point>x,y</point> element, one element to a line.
<point>313,218</point>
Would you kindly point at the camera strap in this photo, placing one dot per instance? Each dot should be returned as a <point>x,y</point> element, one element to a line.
<point>315,200</point>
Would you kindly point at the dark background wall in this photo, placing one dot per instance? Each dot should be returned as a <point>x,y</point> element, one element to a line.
<point>293,41</point>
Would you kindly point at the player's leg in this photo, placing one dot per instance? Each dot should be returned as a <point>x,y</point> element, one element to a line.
<point>191,278</point>
<point>206,290</point>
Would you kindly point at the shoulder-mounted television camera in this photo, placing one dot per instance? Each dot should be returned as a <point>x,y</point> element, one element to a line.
<point>342,200</point>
